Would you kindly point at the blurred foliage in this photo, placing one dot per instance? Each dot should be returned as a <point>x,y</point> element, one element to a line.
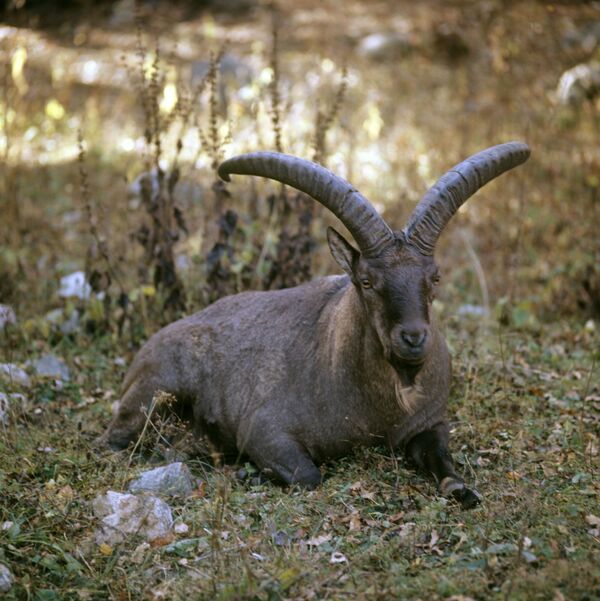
<point>161,96</point>
<point>113,122</point>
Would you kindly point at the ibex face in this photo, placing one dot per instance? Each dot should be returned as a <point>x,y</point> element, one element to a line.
<point>396,288</point>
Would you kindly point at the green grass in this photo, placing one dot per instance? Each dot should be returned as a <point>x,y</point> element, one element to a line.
<point>523,433</point>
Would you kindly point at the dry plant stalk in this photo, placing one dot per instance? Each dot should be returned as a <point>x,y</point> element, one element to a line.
<point>212,141</point>
<point>292,263</point>
<point>324,120</point>
<point>157,187</point>
<point>274,83</point>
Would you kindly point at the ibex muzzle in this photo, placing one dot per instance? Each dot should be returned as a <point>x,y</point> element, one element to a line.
<point>295,376</point>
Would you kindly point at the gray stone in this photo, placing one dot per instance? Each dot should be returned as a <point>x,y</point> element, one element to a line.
<point>52,366</point>
<point>71,325</point>
<point>174,479</point>
<point>67,326</point>
<point>6,579</point>
<point>14,374</point>
<point>7,316</point>
<point>385,46</point>
<point>74,285</point>
<point>472,310</point>
<point>123,515</point>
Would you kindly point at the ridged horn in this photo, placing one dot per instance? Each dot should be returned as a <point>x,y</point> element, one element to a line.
<point>367,227</point>
<point>443,199</point>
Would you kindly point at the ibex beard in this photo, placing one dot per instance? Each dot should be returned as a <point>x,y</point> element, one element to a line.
<point>293,377</point>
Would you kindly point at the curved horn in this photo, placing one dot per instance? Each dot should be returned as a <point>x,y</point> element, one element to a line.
<point>367,227</point>
<point>443,199</point>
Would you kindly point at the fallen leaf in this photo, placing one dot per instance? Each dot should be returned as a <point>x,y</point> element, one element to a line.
<point>105,549</point>
<point>593,521</point>
<point>368,494</point>
<point>355,522</point>
<point>435,537</point>
<point>139,552</point>
<point>200,491</point>
<point>405,529</point>
<point>318,540</point>
<point>161,541</point>
<point>396,517</point>
<point>287,578</point>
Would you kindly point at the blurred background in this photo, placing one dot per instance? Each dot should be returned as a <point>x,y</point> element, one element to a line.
<point>114,116</point>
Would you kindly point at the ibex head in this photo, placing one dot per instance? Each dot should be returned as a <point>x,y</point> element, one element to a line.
<point>396,288</point>
<point>394,272</point>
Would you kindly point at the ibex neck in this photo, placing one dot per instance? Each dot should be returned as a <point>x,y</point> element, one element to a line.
<point>357,354</point>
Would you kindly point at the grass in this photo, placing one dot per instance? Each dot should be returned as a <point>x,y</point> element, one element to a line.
<point>524,431</point>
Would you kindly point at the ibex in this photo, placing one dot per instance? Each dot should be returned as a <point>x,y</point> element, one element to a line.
<point>292,377</point>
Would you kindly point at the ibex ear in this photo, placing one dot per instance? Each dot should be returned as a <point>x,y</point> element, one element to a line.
<point>343,252</point>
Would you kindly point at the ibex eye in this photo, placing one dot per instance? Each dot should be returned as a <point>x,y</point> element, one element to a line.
<point>365,283</point>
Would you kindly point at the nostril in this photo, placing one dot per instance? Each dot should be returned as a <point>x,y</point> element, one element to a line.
<point>414,338</point>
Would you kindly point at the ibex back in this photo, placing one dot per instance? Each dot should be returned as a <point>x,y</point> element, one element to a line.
<point>295,376</point>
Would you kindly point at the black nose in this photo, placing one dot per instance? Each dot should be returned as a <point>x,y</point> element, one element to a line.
<point>414,337</point>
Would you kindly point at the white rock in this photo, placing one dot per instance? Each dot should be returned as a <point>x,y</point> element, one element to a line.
<point>337,557</point>
<point>385,46</point>
<point>7,316</point>
<point>4,406</point>
<point>15,374</point>
<point>181,528</point>
<point>6,579</point>
<point>578,84</point>
<point>52,367</point>
<point>174,479</point>
<point>123,515</point>
<point>74,285</point>
<point>6,400</point>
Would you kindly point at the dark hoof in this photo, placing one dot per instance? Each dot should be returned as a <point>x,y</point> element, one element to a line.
<point>455,488</point>
<point>467,497</point>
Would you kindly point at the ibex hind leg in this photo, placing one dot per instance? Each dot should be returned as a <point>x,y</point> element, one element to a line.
<point>429,451</point>
<point>286,461</point>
